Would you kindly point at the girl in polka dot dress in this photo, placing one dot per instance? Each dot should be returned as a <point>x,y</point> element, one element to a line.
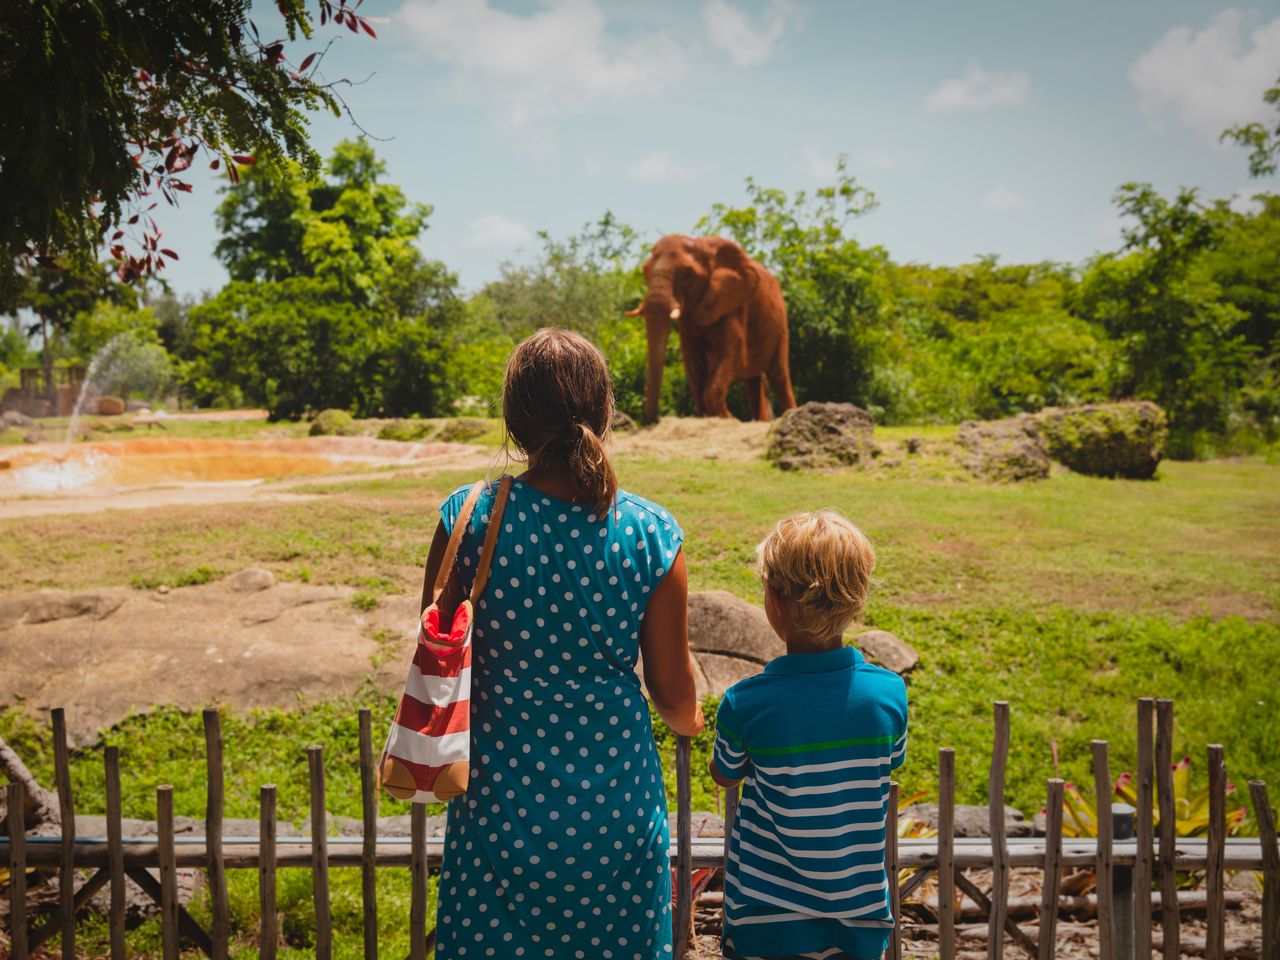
<point>559,848</point>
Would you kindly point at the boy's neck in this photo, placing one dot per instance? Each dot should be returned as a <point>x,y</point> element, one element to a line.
<point>803,642</point>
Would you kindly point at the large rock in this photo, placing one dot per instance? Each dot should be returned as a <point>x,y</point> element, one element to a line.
<point>1003,450</point>
<point>821,435</point>
<point>730,640</point>
<point>251,580</point>
<point>334,423</point>
<point>1106,439</point>
<point>971,821</point>
<point>887,650</point>
<point>109,406</point>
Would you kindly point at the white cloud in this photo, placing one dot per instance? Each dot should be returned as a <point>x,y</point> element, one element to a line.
<point>1212,78</point>
<point>818,163</point>
<point>746,42</point>
<point>557,61</point>
<point>977,89</point>
<point>495,232</point>
<point>1002,198</point>
<point>662,166</point>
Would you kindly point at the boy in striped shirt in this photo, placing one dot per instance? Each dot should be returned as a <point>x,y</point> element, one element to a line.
<point>814,738</point>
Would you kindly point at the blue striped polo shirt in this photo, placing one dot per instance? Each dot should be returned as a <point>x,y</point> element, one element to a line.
<point>815,738</point>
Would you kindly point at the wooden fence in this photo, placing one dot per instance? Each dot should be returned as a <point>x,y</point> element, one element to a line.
<point>1126,868</point>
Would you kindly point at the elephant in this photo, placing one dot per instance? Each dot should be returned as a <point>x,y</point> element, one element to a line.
<point>732,323</point>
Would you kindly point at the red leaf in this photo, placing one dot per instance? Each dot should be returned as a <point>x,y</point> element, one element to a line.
<point>169,253</point>
<point>117,235</point>
<point>134,218</point>
<point>351,23</point>
<point>215,164</point>
<point>159,263</point>
<point>184,187</point>
<point>245,159</point>
<point>234,173</point>
<point>368,29</point>
<point>306,62</point>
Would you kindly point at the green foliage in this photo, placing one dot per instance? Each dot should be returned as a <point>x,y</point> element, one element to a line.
<point>1263,143</point>
<point>330,304</point>
<point>100,114</point>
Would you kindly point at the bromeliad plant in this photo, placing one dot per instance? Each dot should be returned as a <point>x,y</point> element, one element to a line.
<point>1191,810</point>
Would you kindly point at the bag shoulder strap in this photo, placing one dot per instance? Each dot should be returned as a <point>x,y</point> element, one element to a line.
<point>455,540</point>
<point>491,537</point>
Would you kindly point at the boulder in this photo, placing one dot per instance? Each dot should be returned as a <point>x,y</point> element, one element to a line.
<point>1106,439</point>
<point>621,423</point>
<point>821,435</point>
<point>16,418</point>
<point>971,821</point>
<point>887,650</point>
<point>464,429</point>
<point>109,407</point>
<point>334,423</point>
<point>730,640</point>
<point>1003,450</point>
<point>251,580</point>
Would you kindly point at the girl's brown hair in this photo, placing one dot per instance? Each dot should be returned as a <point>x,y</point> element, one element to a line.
<point>557,402</point>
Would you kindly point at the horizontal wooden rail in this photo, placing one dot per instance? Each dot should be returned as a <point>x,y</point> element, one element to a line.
<point>1242,853</point>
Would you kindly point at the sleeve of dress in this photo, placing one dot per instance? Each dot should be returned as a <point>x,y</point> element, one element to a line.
<point>659,541</point>
<point>452,506</point>
<point>729,752</point>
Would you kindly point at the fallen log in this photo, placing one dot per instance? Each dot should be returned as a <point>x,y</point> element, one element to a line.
<point>41,813</point>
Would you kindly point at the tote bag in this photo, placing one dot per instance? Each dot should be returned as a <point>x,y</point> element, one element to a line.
<point>428,751</point>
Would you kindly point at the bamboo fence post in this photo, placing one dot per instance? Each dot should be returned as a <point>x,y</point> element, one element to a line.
<point>999,842</point>
<point>1216,919</point>
<point>320,854</point>
<point>894,950</point>
<point>220,928</point>
<point>1270,869</point>
<point>1052,871</point>
<point>946,853</point>
<point>418,892</point>
<point>730,815</point>
<point>1169,917</point>
<point>684,848</point>
<point>17,871</point>
<point>369,850</point>
<point>67,812</point>
<point>268,922</point>
<point>115,850</point>
<point>168,872</point>
<point>1122,884</point>
<point>1143,823</point>
<point>1105,878</point>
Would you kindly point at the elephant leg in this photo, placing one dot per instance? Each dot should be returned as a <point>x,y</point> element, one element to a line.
<point>780,383</point>
<point>694,355</point>
<point>757,398</point>
<point>719,379</point>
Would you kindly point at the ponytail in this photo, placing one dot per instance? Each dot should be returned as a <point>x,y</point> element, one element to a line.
<point>557,403</point>
<point>592,470</point>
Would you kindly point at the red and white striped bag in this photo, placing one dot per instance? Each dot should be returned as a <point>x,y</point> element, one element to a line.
<point>428,753</point>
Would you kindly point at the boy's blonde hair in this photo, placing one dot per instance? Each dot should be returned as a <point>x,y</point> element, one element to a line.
<point>821,564</point>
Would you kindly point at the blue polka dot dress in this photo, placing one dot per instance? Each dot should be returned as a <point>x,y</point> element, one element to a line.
<point>559,848</point>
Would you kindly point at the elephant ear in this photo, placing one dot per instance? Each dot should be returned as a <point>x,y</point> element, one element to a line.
<point>732,283</point>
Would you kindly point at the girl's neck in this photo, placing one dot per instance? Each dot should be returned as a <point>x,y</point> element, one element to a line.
<point>553,480</point>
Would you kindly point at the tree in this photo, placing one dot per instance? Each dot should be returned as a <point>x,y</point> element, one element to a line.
<point>1178,336</point>
<point>1263,143</point>
<point>834,287</point>
<point>58,295</point>
<point>107,102</point>
<point>349,228</point>
<point>331,303</point>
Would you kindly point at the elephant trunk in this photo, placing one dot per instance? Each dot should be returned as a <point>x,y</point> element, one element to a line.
<point>658,328</point>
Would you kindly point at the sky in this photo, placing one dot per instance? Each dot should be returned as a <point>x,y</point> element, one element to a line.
<point>982,127</point>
